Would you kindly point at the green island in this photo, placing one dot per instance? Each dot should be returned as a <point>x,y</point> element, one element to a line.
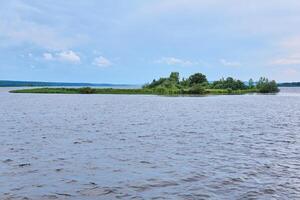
<point>196,84</point>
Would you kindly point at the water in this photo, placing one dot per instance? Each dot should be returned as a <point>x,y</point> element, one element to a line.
<point>149,147</point>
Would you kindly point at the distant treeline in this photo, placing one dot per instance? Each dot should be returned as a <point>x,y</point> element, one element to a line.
<point>52,84</point>
<point>292,84</point>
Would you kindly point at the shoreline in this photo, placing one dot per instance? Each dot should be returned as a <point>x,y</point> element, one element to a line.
<point>130,91</point>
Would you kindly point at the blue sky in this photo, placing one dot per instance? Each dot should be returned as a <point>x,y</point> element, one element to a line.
<point>134,41</point>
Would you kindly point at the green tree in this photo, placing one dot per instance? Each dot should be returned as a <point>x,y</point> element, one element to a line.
<point>184,83</point>
<point>197,78</point>
<point>197,89</point>
<point>251,83</point>
<point>266,86</point>
<point>229,83</point>
<point>174,77</point>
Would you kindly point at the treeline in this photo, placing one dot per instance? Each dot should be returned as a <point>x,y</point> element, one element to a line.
<point>198,84</point>
<point>292,84</point>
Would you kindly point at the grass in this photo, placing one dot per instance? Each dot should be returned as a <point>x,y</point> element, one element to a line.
<point>128,91</point>
<point>226,91</point>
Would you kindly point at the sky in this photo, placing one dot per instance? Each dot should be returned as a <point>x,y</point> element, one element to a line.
<point>134,41</point>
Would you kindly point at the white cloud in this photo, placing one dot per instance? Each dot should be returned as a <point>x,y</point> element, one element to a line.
<point>230,63</point>
<point>102,62</point>
<point>176,61</point>
<point>47,56</point>
<point>63,56</point>
<point>289,60</point>
<point>68,56</point>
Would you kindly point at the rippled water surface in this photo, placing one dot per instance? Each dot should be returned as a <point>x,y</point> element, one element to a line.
<point>149,147</point>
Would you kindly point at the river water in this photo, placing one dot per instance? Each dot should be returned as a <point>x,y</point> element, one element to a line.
<point>149,147</point>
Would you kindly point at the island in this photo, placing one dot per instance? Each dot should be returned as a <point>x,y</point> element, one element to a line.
<point>196,84</point>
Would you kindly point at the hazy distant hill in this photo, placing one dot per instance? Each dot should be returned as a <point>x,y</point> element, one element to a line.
<point>4,83</point>
<point>292,84</point>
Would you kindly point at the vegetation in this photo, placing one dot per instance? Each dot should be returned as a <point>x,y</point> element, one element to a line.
<point>229,83</point>
<point>266,86</point>
<point>292,84</point>
<point>196,84</point>
<point>86,90</point>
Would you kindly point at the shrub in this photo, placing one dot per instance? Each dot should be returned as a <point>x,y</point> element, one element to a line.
<point>229,90</point>
<point>174,77</point>
<point>197,89</point>
<point>229,83</point>
<point>160,90</point>
<point>266,86</point>
<point>87,90</point>
<point>197,78</point>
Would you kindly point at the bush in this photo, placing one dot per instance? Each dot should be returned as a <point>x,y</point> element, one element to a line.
<point>197,78</point>
<point>87,90</point>
<point>174,77</point>
<point>197,89</point>
<point>160,90</point>
<point>229,83</point>
<point>266,86</point>
<point>229,90</point>
<point>198,84</point>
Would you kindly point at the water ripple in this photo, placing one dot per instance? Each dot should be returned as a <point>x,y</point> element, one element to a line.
<point>149,147</point>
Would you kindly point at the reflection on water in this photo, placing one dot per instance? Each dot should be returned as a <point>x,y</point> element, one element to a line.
<point>149,147</point>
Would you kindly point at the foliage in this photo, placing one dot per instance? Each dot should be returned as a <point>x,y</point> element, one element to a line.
<point>174,77</point>
<point>197,78</point>
<point>87,90</point>
<point>197,89</point>
<point>266,86</point>
<point>229,83</point>
<point>195,84</point>
<point>251,83</point>
<point>171,82</point>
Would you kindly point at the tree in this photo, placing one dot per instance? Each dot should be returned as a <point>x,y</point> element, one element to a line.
<point>266,86</point>
<point>251,83</point>
<point>155,83</point>
<point>197,89</point>
<point>198,84</point>
<point>174,77</point>
<point>185,83</point>
<point>229,83</point>
<point>197,78</point>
